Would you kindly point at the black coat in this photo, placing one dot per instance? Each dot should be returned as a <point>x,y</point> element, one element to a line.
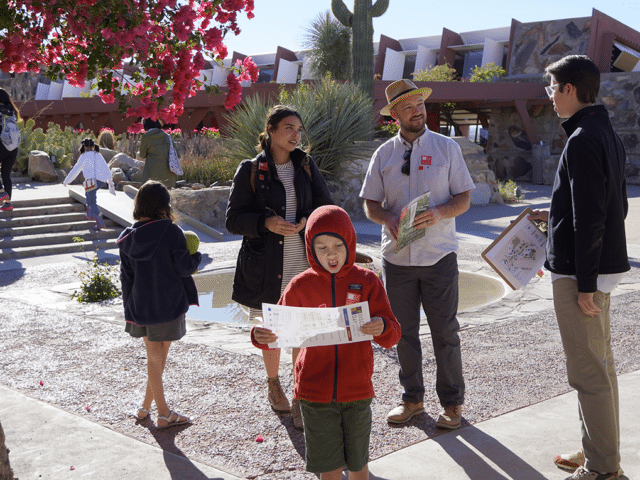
<point>258,276</point>
<point>589,202</point>
<point>155,272</point>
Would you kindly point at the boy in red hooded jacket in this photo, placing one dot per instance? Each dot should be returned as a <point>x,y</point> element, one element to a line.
<point>333,383</point>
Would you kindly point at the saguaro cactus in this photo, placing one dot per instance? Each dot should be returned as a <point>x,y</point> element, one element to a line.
<point>361,23</point>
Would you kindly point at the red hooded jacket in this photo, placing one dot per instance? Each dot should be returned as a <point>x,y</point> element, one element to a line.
<point>340,373</point>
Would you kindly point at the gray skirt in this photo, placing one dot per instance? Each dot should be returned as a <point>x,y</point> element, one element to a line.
<point>161,332</point>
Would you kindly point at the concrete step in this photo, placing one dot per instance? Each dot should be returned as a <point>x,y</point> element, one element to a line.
<point>52,228</point>
<point>43,201</point>
<point>57,238</point>
<point>39,251</point>
<point>20,221</point>
<point>40,210</point>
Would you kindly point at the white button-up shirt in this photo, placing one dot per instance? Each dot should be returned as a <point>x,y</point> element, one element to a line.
<point>437,166</point>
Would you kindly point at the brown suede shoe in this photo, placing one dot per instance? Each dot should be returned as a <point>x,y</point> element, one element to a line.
<point>451,417</point>
<point>277,398</point>
<point>296,414</point>
<point>403,412</point>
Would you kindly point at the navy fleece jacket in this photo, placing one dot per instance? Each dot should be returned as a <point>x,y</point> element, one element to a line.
<point>155,272</point>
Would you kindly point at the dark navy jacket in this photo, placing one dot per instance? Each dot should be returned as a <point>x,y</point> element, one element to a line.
<point>589,202</point>
<point>155,271</point>
<point>258,276</point>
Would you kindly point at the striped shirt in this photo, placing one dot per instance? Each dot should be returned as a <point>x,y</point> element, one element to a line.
<point>294,255</point>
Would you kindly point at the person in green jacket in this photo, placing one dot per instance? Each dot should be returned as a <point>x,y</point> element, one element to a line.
<point>154,148</point>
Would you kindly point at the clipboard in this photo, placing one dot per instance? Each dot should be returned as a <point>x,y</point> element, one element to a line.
<point>519,252</point>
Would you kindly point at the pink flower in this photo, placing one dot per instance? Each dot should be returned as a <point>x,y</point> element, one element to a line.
<point>259,439</point>
<point>135,128</point>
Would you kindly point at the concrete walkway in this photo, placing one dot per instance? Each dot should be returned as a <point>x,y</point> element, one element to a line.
<point>49,443</point>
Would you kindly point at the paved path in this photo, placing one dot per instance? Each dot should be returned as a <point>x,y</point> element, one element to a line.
<point>47,442</point>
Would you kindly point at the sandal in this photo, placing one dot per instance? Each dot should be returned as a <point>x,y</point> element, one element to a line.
<point>175,422</point>
<point>137,415</point>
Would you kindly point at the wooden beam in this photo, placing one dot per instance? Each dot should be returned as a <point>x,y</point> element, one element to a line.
<point>521,106</point>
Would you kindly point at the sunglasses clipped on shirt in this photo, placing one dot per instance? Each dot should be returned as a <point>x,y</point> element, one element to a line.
<point>406,166</point>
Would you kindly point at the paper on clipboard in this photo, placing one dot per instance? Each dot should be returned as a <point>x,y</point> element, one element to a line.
<point>519,252</point>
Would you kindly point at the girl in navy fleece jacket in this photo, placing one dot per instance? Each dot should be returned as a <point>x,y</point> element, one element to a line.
<point>157,288</point>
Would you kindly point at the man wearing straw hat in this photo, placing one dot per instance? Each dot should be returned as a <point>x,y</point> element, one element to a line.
<point>425,272</point>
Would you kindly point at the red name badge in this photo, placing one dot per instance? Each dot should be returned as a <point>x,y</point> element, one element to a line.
<point>425,160</point>
<point>263,166</point>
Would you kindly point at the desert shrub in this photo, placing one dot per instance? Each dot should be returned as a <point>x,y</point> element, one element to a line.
<point>387,129</point>
<point>98,281</point>
<point>510,191</point>
<point>487,73</point>
<point>207,169</point>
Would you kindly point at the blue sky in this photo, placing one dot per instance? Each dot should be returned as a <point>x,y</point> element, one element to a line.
<point>283,22</point>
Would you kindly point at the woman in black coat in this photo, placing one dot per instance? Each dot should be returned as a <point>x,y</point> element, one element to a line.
<point>270,200</point>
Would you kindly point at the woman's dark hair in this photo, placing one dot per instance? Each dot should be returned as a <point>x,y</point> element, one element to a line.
<point>106,140</point>
<point>88,144</point>
<point>148,124</point>
<point>5,98</point>
<point>579,71</point>
<point>153,201</point>
<point>276,114</point>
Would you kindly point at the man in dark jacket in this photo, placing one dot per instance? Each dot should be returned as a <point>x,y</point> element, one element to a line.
<point>587,255</point>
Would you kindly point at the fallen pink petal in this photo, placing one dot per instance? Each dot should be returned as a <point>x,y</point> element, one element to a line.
<point>41,383</point>
<point>72,467</point>
<point>259,439</point>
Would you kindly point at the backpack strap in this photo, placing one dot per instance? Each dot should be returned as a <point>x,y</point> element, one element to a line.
<point>307,168</point>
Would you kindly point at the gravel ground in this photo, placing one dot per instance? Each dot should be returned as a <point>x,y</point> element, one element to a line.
<point>82,361</point>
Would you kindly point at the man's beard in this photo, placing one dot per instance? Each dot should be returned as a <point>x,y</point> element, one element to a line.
<point>413,126</point>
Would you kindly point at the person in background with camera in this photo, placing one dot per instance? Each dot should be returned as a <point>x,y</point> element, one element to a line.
<point>96,173</point>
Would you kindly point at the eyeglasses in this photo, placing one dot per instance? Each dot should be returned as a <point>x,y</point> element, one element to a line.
<point>552,88</point>
<point>406,166</point>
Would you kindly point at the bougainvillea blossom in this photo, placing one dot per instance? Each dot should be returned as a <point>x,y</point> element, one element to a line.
<point>134,49</point>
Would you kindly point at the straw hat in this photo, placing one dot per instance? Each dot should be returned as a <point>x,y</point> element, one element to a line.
<point>401,90</point>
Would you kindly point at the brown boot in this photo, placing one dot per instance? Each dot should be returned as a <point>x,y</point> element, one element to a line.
<point>451,417</point>
<point>277,398</point>
<point>296,414</point>
<point>403,412</point>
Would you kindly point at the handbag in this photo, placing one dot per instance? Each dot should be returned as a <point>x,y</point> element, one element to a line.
<point>90,184</point>
<point>174,162</point>
<point>10,135</point>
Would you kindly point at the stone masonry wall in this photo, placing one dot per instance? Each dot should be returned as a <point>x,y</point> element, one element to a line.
<point>510,153</point>
<point>539,44</point>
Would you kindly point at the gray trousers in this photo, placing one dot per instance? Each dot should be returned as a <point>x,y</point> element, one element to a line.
<point>591,371</point>
<point>436,289</point>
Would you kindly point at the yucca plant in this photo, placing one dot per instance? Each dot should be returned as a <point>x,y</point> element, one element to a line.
<point>334,114</point>
<point>329,46</point>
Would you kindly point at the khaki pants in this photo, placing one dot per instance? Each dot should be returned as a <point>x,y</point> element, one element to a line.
<point>591,371</point>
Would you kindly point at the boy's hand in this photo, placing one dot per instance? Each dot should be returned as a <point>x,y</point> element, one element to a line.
<point>374,327</point>
<point>264,335</point>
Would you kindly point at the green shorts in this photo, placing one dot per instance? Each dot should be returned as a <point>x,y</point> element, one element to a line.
<point>336,434</point>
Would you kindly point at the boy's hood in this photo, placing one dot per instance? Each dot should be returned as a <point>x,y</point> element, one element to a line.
<point>141,240</point>
<point>331,220</point>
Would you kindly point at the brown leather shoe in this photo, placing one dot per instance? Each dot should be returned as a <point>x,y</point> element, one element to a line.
<point>403,412</point>
<point>277,398</point>
<point>450,418</point>
<point>296,414</point>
